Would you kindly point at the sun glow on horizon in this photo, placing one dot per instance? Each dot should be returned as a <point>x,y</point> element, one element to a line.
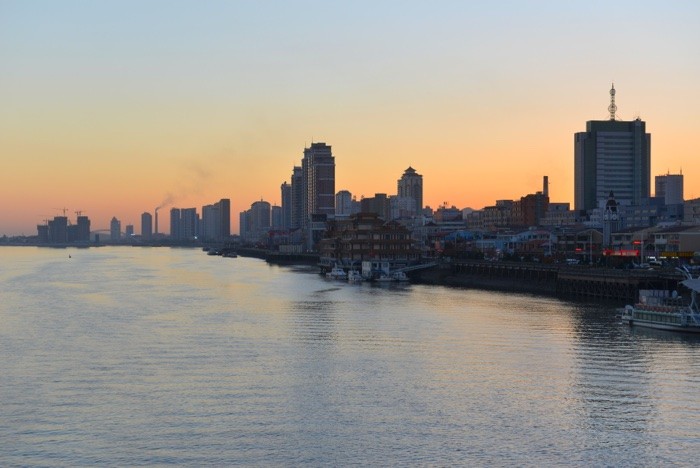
<point>113,113</point>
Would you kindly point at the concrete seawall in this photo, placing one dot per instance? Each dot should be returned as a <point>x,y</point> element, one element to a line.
<point>447,277</point>
<point>564,281</point>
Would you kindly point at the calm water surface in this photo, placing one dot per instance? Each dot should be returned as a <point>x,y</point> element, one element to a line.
<point>137,356</point>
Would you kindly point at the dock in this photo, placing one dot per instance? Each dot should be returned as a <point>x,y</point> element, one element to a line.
<point>582,282</point>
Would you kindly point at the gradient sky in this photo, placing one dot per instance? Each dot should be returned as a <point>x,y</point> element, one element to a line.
<point>115,107</point>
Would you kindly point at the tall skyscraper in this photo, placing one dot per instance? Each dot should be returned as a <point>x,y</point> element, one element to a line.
<point>343,203</point>
<point>188,223</point>
<point>216,221</point>
<point>58,229</point>
<point>255,222</point>
<point>318,171</point>
<point>224,219</point>
<point>244,225</point>
<point>286,193</point>
<point>297,198</point>
<point>611,156</point>
<point>83,229</point>
<point>115,229</point>
<point>175,224</point>
<point>411,185</point>
<point>276,217</point>
<point>210,222</point>
<point>670,188</point>
<point>260,216</point>
<point>146,225</point>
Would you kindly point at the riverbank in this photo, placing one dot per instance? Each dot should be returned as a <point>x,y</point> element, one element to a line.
<point>581,282</point>
<point>445,276</point>
<point>606,284</point>
<point>279,258</point>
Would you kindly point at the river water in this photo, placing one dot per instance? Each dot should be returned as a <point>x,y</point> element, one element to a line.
<point>153,356</point>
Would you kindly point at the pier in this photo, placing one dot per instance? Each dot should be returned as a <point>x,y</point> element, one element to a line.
<point>561,280</point>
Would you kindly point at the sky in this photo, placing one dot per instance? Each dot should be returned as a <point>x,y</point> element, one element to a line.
<point>112,108</point>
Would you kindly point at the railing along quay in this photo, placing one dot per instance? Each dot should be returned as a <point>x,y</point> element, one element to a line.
<point>573,281</point>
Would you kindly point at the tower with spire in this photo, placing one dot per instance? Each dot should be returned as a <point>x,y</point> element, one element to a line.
<point>612,108</point>
<point>611,156</point>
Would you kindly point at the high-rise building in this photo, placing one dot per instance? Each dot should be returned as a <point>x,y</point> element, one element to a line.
<point>83,230</point>
<point>115,229</point>
<point>224,219</point>
<point>670,188</point>
<point>286,193</point>
<point>611,156</point>
<point>58,229</point>
<point>378,204</point>
<point>175,224</point>
<point>411,185</point>
<point>343,203</point>
<point>255,222</point>
<point>401,207</point>
<point>260,216</point>
<point>42,231</point>
<point>297,198</point>
<point>208,226</point>
<point>216,221</point>
<point>276,217</point>
<point>146,226</point>
<point>188,223</point>
<point>318,171</point>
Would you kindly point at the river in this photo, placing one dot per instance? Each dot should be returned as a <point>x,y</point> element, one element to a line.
<point>155,356</point>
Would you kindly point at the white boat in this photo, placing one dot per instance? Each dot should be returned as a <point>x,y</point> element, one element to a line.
<point>354,276</point>
<point>384,278</point>
<point>337,273</point>
<point>399,276</point>
<point>663,311</point>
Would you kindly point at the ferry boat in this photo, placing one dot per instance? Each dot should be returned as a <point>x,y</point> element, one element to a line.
<point>661,310</point>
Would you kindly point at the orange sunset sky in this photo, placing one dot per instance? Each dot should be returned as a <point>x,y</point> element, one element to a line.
<point>112,108</point>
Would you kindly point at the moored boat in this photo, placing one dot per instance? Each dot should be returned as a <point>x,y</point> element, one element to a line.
<point>337,273</point>
<point>661,310</point>
<point>355,276</point>
<point>399,276</point>
<point>384,278</point>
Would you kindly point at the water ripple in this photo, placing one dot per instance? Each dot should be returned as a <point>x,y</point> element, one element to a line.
<point>170,357</point>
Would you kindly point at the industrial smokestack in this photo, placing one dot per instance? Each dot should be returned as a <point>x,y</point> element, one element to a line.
<point>156,233</point>
<point>545,186</point>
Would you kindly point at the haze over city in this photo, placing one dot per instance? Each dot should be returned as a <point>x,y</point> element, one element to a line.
<point>114,108</point>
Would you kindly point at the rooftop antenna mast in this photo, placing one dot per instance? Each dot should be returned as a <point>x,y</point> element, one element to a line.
<point>612,108</point>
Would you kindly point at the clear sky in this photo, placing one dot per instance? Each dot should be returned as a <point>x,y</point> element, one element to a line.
<point>115,107</point>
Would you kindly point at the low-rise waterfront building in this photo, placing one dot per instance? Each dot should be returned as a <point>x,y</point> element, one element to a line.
<point>559,214</point>
<point>677,241</point>
<point>691,211</point>
<point>365,236</point>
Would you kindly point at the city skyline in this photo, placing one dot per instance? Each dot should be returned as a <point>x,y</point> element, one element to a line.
<point>113,113</point>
